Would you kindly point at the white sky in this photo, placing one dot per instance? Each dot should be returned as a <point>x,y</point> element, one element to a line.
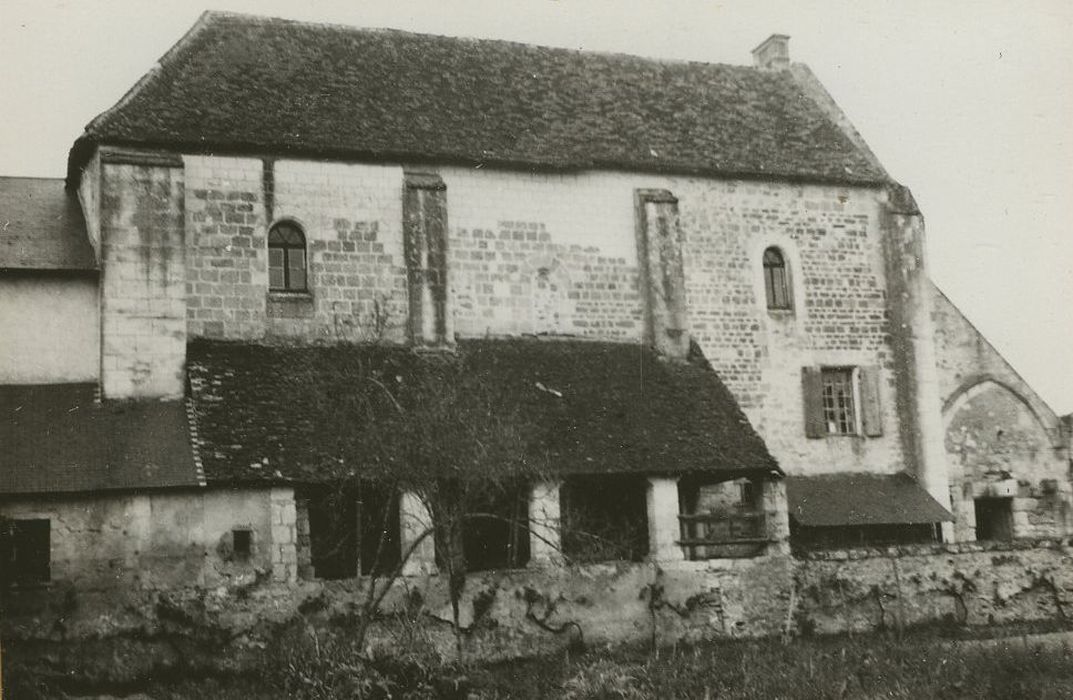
<point>969,103</point>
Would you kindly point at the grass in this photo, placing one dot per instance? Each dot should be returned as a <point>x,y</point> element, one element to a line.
<point>858,667</point>
<point>872,666</point>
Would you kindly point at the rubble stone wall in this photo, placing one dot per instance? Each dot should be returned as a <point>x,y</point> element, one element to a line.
<point>104,543</point>
<point>1001,438</point>
<point>960,584</point>
<point>515,613</point>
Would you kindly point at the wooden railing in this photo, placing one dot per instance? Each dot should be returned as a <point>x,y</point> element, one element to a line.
<point>736,533</point>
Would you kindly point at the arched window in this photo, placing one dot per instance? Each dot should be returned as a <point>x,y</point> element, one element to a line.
<point>776,280</point>
<point>286,258</point>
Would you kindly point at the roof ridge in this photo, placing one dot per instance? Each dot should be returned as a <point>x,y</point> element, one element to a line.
<point>615,110</point>
<point>213,15</point>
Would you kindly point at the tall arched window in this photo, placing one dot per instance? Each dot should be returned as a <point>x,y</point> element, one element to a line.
<point>286,258</point>
<point>776,280</point>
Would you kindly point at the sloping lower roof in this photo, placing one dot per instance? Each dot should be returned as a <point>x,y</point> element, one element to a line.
<point>41,227</point>
<point>861,499</point>
<point>591,407</point>
<point>239,82</point>
<point>58,438</point>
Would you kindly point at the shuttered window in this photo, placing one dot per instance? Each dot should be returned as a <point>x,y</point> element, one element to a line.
<point>841,401</point>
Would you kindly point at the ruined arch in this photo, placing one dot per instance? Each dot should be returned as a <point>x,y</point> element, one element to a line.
<point>974,386</point>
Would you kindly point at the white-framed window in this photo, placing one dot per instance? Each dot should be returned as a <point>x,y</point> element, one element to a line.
<point>842,401</point>
<point>841,397</point>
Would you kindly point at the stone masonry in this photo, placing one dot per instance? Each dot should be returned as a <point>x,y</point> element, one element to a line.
<point>557,253</point>
<point>143,258</point>
<point>283,549</point>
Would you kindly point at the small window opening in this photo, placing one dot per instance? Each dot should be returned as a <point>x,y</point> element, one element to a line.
<point>721,519</point>
<point>604,518</point>
<point>25,551</point>
<point>776,280</point>
<point>286,258</point>
<point>994,518</point>
<point>839,401</point>
<point>495,531</point>
<point>242,544</point>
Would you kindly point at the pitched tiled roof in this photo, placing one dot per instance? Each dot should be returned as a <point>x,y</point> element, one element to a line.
<point>861,499</point>
<point>58,438</point>
<point>41,227</point>
<point>590,407</point>
<point>271,85</point>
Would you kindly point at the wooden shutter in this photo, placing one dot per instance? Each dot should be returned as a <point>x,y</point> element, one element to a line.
<point>812,392</point>
<point>871,416</point>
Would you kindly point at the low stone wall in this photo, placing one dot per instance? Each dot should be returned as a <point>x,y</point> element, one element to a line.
<point>970,583</point>
<point>516,613</point>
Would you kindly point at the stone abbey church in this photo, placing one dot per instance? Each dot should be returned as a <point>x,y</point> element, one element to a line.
<point>695,283</point>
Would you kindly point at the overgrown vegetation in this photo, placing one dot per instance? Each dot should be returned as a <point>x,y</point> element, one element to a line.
<point>310,666</point>
<point>442,433</point>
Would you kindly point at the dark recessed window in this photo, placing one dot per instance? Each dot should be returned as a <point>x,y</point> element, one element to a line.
<point>25,551</point>
<point>286,258</point>
<point>242,543</point>
<point>776,280</point>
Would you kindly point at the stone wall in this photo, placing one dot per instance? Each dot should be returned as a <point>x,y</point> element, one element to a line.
<point>352,219</point>
<point>1002,440</point>
<point>504,614</point>
<point>960,584</point>
<point>143,258</point>
<point>109,544</point>
<point>51,328</point>
<point>556,253</point>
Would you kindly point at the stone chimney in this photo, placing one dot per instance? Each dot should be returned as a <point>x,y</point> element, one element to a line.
<point>773,53</point>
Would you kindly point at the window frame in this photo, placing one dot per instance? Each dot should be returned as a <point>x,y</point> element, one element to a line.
<point>852,377</point>
<point>785,286</point>
<point>287,248</point>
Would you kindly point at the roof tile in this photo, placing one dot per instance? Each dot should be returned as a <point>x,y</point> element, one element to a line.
<point>244,82</point>
<point>41,227</point>
<point>60,438</point>
<point>591,407</point>
<point>861,499</point>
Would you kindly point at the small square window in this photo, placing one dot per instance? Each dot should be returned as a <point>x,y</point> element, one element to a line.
<point>242,543</point>
<point>26,551</point>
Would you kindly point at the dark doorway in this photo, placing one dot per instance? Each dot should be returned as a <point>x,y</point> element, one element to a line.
<point>994,518</point>
<point>495,533</point>
<point>353,530</point>
<point>605,518</point>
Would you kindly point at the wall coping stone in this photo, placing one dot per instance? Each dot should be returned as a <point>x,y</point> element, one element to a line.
<point>917,550</point>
